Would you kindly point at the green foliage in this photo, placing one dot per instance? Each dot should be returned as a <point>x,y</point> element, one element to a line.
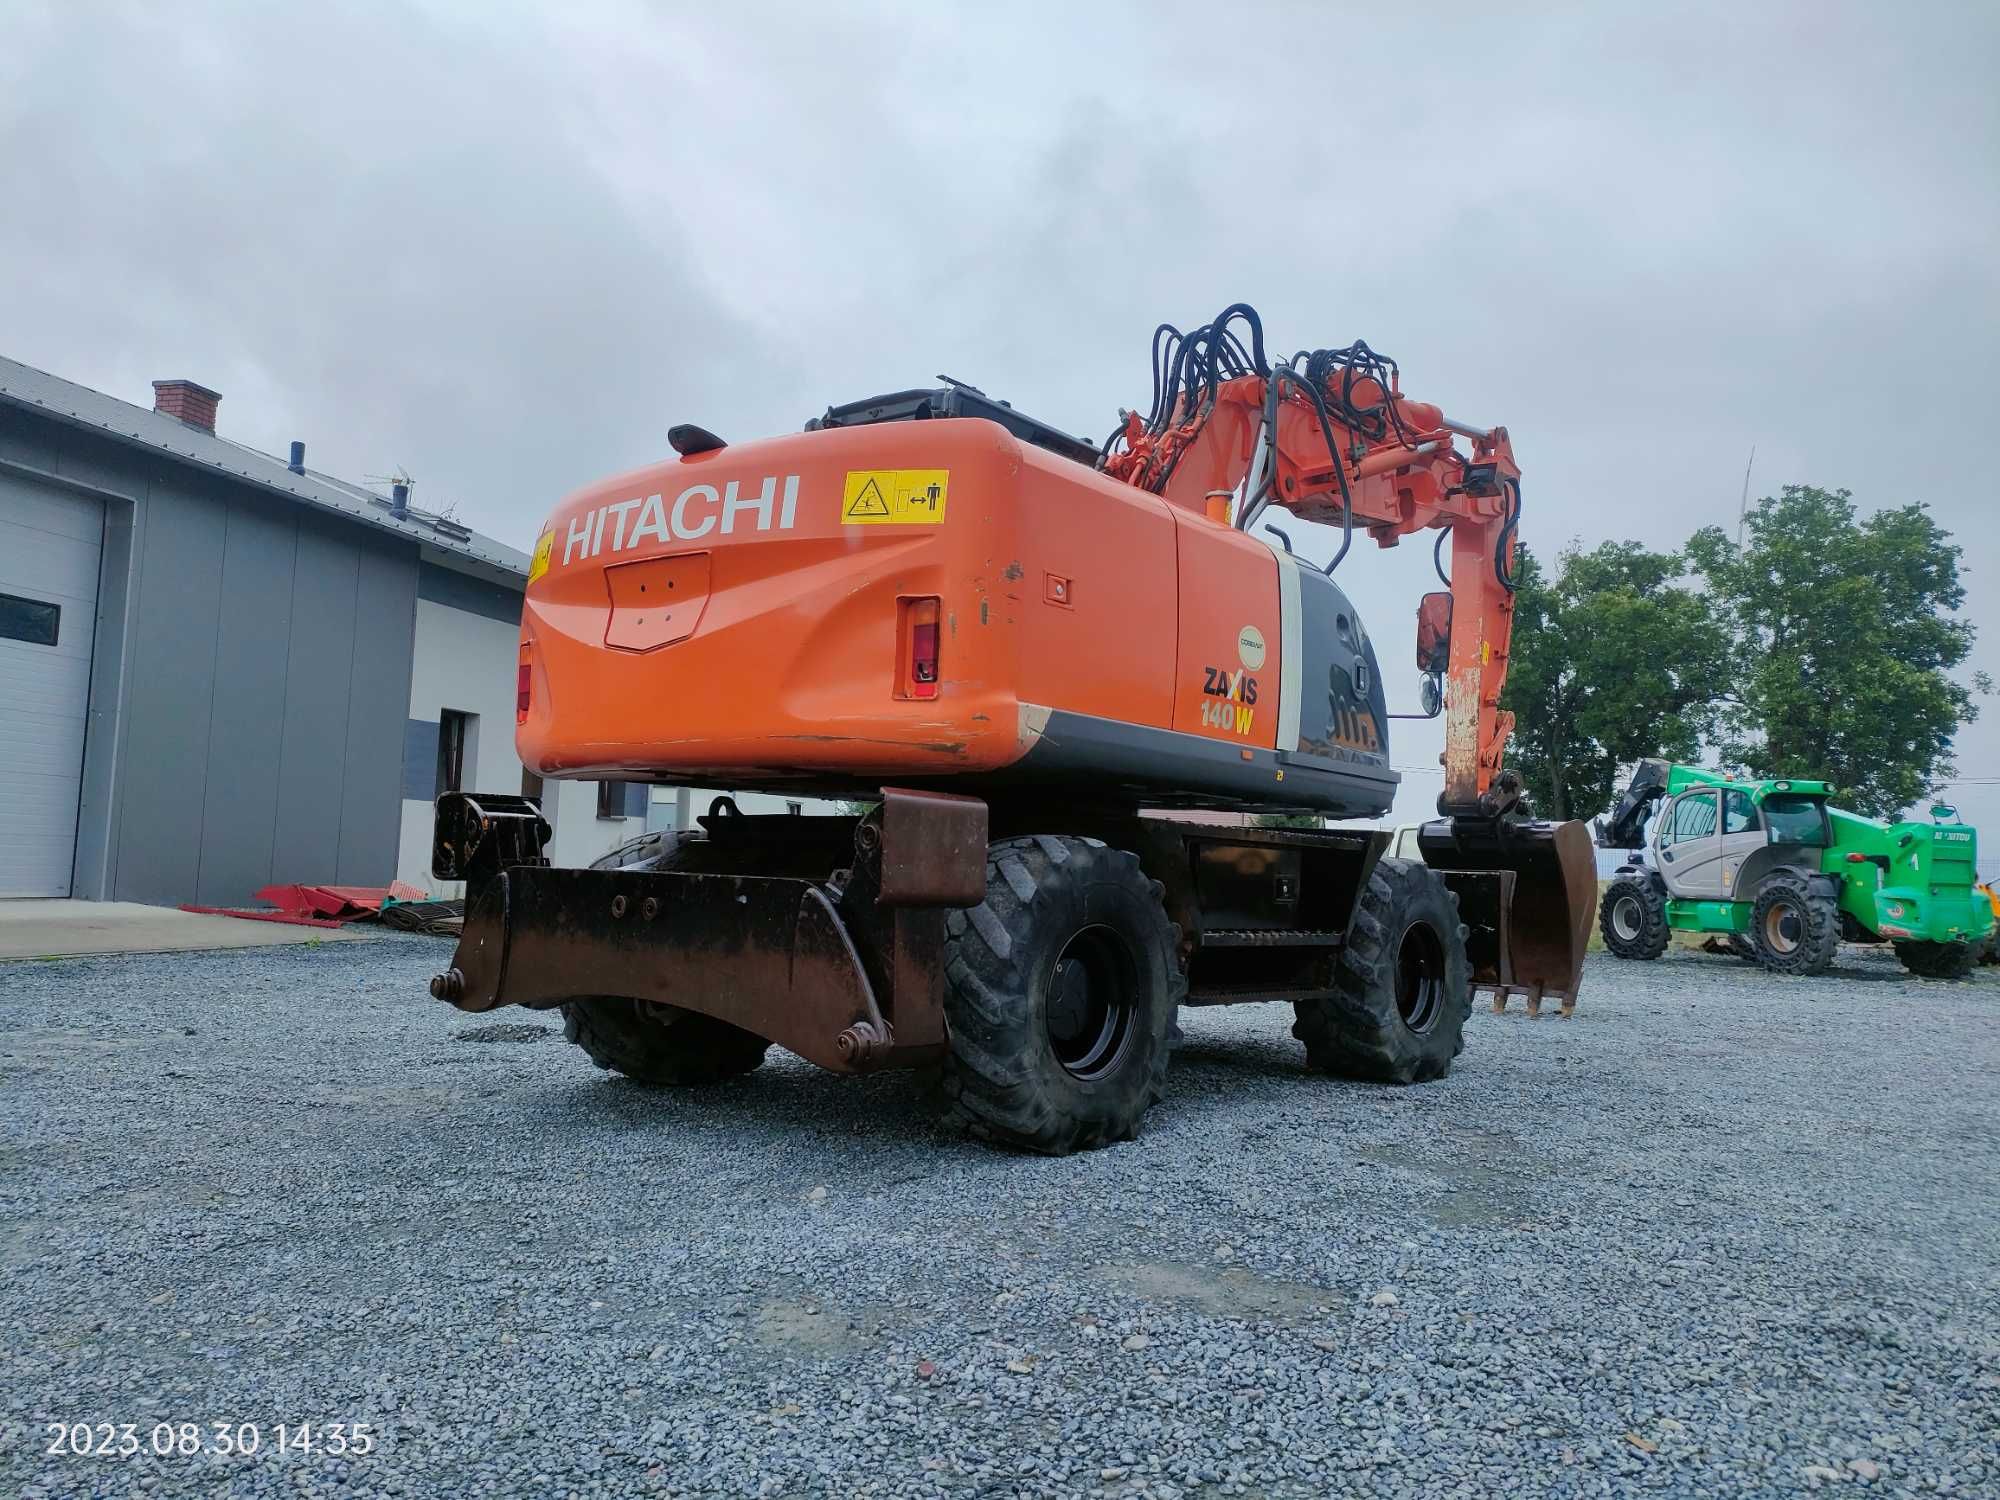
<point>1288,820</point>
<point>1842,644</point>
<point>1612,659</point>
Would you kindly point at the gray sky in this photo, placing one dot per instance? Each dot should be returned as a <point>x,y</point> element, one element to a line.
<point>505,249</point>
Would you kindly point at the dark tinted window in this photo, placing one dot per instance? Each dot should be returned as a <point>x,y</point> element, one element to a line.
<point>1793,819</point>
<point>35,621</point>
<point>1738,815</point>
<point>1694,817</point>
<point>454,729</point>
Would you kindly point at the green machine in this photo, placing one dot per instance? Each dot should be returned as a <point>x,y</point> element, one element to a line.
<point>1784,878</point>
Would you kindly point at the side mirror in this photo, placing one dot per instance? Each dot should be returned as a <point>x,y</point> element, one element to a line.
<point>1434,634</point>
<point>1430,694</point>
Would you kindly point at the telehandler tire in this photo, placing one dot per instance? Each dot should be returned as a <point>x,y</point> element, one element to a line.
<point>1794,924</point>
<point>1403,985</point>
<point>648,1042</point>
<point>1633,917</point>
<point>1938,960</point>
<point>1061,992</point>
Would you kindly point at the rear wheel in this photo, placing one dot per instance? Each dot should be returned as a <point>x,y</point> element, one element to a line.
<point>646,1041</point>
<point>1633,918</point>
<point>1938,960</point>
<point>1403,987</point>
<point>1061,989</point>
<point>1794,924</point>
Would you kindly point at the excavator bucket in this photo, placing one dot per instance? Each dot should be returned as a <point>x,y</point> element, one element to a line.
<point>1527,892</point>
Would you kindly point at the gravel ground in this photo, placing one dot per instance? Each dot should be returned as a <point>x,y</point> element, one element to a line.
<point>1718,1235</point>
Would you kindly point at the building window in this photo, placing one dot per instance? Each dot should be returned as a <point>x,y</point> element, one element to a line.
<point>531,785</point>
<point>611,799</point>
<point>454,734</point>
<point>35,621</point>
<point>795,808</point>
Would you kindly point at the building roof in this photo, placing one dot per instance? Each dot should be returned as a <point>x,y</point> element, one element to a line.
<point>441,539</point>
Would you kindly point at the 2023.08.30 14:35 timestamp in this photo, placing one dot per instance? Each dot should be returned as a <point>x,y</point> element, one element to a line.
<point>224,1439</point>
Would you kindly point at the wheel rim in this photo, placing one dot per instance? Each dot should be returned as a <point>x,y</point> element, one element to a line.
<point>1625,918</point>
<point>1784,927</point>
<point>1420,976</point>
<point>1092,1008</point>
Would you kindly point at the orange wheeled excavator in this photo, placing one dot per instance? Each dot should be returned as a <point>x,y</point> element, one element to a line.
<point>1023,655</point>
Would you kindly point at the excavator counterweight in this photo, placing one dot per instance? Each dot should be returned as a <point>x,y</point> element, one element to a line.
<point>1062,686</point>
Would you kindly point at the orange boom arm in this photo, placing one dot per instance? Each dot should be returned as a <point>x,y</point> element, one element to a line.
<point>1329,437</point>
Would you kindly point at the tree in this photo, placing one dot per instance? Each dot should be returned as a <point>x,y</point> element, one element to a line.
<point>1611,660</point>
<point>1843,642</point>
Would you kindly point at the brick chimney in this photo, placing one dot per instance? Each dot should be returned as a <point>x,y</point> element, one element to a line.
<point>193,404</point>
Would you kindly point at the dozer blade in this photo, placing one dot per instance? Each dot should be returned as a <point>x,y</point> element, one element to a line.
<point>1528,893</point>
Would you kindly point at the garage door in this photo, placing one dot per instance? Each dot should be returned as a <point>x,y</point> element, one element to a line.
<point>50,542</point>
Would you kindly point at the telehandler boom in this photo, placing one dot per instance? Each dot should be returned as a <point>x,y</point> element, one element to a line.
<point>1024,654</point>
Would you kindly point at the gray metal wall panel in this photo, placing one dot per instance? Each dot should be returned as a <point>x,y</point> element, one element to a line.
<point>371,811</point>
<point>169,698</point>
<point>246,721</point>
<point>474,595</point>
<point>313,748</point>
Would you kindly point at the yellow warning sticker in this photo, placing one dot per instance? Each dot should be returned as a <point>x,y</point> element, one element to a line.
<point>543,545</point>
<point>894,497</point>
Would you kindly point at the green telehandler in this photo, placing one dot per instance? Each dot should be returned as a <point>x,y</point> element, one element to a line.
<point>1783,878</point>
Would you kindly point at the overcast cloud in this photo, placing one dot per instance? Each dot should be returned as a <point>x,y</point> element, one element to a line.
<point>506,247</point>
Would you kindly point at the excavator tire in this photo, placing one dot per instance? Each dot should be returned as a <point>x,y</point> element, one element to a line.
<point>660,1044</point>
<point>1403,985</point>
<point>1794,924</point>
<point>648,1042</point>
<point>1633,917</point>
<point>1938,960</point>
<point>1061,991</point>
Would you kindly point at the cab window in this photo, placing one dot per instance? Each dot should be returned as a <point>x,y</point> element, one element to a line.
<point>1694,817</point>
<point>1794,819</point>
<point>1739,814</point>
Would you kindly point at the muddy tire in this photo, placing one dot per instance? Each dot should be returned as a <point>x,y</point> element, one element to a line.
<point>1740,946</point>
<point>1938,960</point>
<point>660,1044</point>
<point>1794,924</point>
<point>1403,986</point>
<point>648,1042</point>
<point>1061,991</point>
<point>1633,917</point>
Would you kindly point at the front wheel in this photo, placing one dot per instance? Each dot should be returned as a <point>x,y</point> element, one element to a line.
<point>1794,924</point>
<point>1938,960</point>
<point>1402,984</point>
<point>1633,917</point>
<point>1061,990</point>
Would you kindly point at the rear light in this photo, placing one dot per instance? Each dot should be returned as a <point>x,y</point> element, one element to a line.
<point>524,692</point>
<point>918,670</point>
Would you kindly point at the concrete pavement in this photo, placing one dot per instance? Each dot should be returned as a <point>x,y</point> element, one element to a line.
<point>68,929</point>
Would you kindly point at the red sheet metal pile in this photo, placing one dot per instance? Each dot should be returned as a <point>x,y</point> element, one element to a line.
<point>318,905</point>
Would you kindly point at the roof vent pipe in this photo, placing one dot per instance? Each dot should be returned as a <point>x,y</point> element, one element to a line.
<point>399,500</point>
<point>298,463</point>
